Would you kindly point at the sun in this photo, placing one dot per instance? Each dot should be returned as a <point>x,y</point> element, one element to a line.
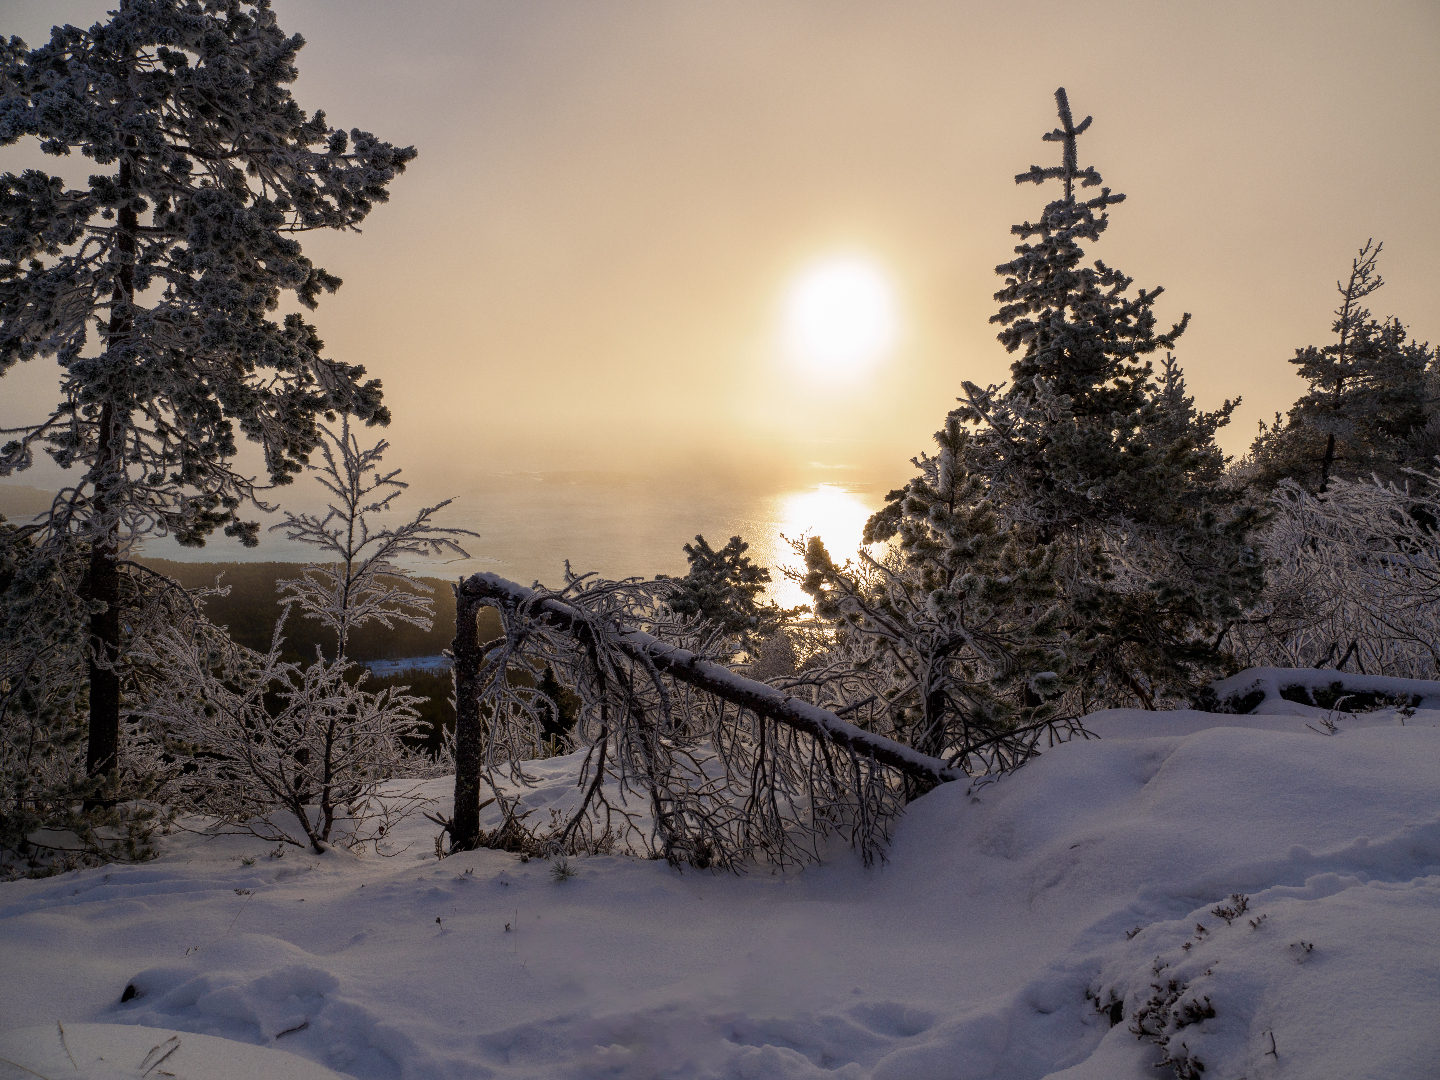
<point>840,314</point>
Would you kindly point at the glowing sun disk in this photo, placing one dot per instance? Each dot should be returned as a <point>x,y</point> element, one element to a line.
<point>840,314</point>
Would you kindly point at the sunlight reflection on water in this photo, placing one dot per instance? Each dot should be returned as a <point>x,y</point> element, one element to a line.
<point>828,511</point>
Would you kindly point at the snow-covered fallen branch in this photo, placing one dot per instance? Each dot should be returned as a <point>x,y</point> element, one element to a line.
<point>760,698</point>
<point>732,768</point>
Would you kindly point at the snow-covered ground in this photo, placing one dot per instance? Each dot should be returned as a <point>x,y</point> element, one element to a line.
<point>1013,922</point>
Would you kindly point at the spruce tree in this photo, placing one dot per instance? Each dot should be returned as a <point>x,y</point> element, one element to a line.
<point>723,587</point>
<point>1369,406</point>
<point>174,257</point>
<point>1092,449</point>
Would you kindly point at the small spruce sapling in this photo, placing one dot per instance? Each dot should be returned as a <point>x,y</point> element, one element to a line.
<point>724,589</point>
<point>358,578</point>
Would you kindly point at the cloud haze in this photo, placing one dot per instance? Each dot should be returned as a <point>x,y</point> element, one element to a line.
<point>583,268</point>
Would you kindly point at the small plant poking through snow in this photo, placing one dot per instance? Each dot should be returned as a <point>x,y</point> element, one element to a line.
<point>1239,904</point>
<point>560,869</point>
<point>1111,1006</point>
<point>1164,1016</point>
<point>1327,722</point>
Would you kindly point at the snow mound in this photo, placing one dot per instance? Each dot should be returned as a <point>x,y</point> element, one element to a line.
<point>1254,894</point>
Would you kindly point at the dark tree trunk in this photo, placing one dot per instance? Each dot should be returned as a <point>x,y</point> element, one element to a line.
<point>1327,462</point>
<point>102,753</point>
<point>103,585</point>
<point>930,741</point>
<point>469,733</point>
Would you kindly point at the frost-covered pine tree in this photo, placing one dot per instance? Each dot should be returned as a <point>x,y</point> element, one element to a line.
<point>155,286</point>
<point>1090,448</point>
<point>1369,409</point>
<point>955,637</point>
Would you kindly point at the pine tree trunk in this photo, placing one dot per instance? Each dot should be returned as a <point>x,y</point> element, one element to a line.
<point>102,753</point>
<point>1327,462</point>
<point>103,750</point>
<point>930,741</point>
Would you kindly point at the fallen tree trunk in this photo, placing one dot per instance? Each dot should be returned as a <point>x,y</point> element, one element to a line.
<point>491,590</point>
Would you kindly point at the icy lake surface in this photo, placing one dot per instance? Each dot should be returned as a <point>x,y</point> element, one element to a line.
<point>1013,923</point>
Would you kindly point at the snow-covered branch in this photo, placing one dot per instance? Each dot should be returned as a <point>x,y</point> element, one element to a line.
<point>727,769</point>
<point>1354,578</point>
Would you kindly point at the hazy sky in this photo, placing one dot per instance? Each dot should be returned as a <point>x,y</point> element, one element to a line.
<point>584,267</point>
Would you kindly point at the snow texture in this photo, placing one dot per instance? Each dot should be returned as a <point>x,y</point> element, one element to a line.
<point>131,1052</point>
<point>1012,923</point>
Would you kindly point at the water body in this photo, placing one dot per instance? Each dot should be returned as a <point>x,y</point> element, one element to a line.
<point>619,525</point>
<point>530,525</point>
<point>430,665</point>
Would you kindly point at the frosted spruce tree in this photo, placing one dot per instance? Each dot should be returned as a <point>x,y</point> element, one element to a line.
<point>724,588</point>
<point>1091,450</point>
<point>155,285</point>
<point>1369,409</point>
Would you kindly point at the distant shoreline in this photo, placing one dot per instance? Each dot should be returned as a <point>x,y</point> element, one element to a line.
<point>431,665</point>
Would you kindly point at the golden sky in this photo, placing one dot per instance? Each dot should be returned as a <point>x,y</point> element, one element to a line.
<point>584,269</point>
